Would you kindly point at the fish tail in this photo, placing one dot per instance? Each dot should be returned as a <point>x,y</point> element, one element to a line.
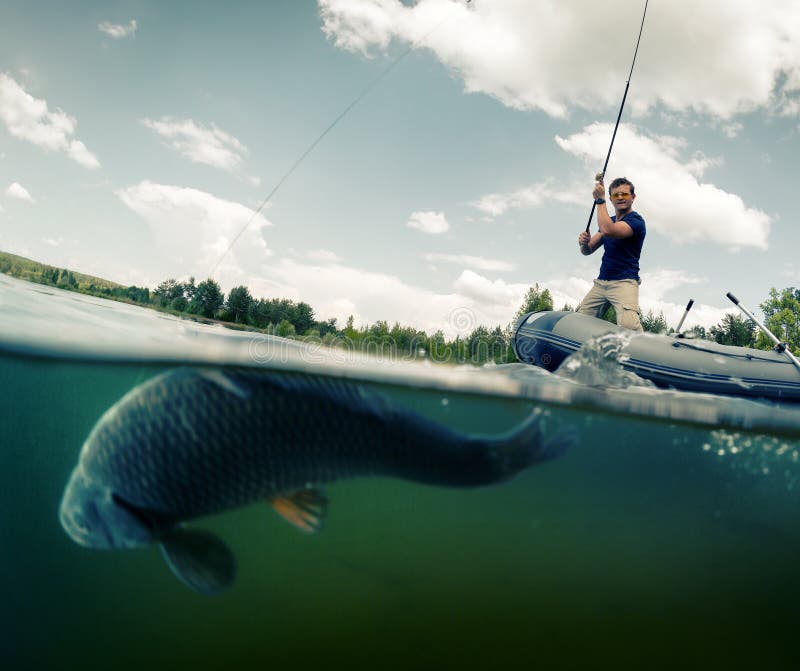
<point>524,446</point>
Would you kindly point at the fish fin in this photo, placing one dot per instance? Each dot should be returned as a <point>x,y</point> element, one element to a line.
<point>200,560</point>
<point>305,509</point>
<point>557,444</point>
<point>524,446</point>
<point>223,381</point>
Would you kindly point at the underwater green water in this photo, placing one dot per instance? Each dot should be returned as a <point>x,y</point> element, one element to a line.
<point>647,544</point>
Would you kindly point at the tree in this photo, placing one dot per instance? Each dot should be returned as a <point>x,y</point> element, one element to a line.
<point>734,330</point>
<point>238,304</point>
<point>302,316</point>
<point>47,275</point>
<point>66,280</point>
<point>437,347</point>
<point>189,289</point>
<point>535,300</point>
<point>179,304</point>
<point>478,345</point>
<point>207,299</point>
<point>610,314</point>
<point>326,327</point>
<point>653,324</point>
<point>698,331</point>
<point>782,317</point>
<point>137,294</point>
<point>166,292</point>
<point>259,313</point>
<point>350,329</point>
<point>285,329</point>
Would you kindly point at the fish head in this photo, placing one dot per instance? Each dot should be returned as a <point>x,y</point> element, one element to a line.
<point>94,516</point>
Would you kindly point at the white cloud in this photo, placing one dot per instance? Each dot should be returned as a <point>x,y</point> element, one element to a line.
<point>373,296</point>
<point>19,192</point>
<point>194,229</point>
<point>433,223</point>
<point>116,30</point>
<point>731,129</point>
<point>53,242</point>
<point>483,290</point>
<point>664,174</point>
<point>28,118</point>
<point>202,144</point>
<point>496,204</point>
<point>657,283</point>
<point>471,261</point>
<point>533,55</point>
<point>323,256</point>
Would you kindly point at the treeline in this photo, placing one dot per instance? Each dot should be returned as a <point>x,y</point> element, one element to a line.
<point>287,318</point>
<point>33,271</point>
<point>206,299</point>
<point>283,317</point>
<point>65,279</point>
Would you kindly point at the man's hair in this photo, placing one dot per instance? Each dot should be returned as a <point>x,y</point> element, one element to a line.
<point>619,181</point>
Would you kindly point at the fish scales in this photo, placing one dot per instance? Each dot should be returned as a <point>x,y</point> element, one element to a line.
<point>200,448</point>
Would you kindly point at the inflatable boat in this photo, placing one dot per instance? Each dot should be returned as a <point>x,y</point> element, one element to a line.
<point>547,338</point>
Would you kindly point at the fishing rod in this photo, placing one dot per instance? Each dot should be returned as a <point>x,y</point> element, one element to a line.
<point>780,346</point>
<point>321,136</point>
<point>600,175</point>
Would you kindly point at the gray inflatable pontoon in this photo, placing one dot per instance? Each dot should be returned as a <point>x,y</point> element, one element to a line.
<point>547,338</point>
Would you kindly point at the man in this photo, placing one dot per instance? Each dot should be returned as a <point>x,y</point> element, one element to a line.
<point>622,237</point>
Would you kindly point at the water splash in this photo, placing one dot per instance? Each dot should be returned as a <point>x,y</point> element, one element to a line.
<point>599,363</point>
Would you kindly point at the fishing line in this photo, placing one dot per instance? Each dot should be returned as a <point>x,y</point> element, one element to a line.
<point>322,135</point>
<point>600,175</point>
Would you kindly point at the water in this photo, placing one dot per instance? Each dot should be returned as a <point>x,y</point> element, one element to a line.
<point>667,535</point>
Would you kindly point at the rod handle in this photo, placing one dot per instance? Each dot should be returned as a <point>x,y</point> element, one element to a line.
<point>733,298</point>
<point>689,304</point>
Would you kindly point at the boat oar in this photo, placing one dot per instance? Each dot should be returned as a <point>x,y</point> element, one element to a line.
<point>680,323</point>
<point>779,345</point>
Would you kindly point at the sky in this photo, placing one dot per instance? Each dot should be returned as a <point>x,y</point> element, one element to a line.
<point>138,139</point>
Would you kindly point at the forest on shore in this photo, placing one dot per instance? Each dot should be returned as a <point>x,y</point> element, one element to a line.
<point>290,319</point>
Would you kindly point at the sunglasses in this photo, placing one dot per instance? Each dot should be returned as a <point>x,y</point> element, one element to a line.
<point>620,194</point>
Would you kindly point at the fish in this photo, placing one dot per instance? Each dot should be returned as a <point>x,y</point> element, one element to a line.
<point>192,442</point>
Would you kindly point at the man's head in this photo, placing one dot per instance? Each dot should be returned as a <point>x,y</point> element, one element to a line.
<point>622,193</point>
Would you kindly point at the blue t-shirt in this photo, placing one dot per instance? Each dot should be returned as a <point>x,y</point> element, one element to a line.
<point>621,255</point>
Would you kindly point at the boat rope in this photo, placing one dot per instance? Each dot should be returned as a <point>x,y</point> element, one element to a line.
<point>363,94</point>
<point>600,175</point>
<point>732,355</point>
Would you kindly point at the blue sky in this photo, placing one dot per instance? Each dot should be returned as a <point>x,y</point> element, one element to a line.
<point>137,138</point>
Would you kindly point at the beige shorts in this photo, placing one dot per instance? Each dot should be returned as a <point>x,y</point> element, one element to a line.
<point>622,294</point>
